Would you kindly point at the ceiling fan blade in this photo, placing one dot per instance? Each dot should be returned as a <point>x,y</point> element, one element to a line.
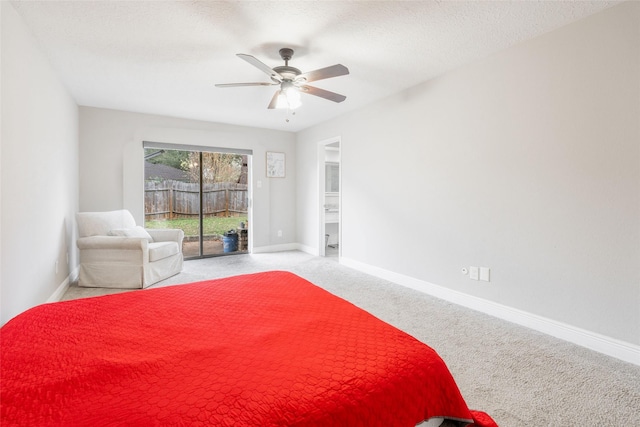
<point>274,100</point>
<point>260,65</point>
<point>331,96</point>
<point>324,73</point>
<point>244,84</point>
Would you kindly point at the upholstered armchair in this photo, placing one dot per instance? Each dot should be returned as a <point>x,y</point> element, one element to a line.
<point>116,253</point>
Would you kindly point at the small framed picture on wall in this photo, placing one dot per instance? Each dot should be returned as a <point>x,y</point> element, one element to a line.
<point>275,165</point>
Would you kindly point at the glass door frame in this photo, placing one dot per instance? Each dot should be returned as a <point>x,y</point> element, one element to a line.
<point>200,150</point>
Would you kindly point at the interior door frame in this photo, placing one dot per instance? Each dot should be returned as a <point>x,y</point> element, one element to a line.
<point>321,156</point>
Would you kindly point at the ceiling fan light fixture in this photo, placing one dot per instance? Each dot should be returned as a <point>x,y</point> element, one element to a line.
<point>289,97</point>
<point>281,102</point>
<point>293,98</point>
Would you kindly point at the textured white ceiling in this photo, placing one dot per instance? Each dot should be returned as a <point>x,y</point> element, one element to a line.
<point>164,57</point>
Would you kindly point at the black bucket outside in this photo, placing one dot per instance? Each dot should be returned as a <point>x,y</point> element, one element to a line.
<point>230,241</point>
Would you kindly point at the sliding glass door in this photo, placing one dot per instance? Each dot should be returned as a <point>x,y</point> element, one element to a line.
<point>205,193</point>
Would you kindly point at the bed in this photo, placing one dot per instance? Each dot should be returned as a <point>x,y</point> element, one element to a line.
<point>264,349</point>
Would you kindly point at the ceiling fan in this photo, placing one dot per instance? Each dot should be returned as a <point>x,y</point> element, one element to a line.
<point>292,81</point>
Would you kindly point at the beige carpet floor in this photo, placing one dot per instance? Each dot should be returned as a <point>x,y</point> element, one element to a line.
<point>519,376</point>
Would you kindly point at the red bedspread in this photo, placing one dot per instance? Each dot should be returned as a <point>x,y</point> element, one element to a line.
<point>267,349</point>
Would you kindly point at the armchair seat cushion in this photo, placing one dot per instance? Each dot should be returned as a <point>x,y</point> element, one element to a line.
<point>161,250</point>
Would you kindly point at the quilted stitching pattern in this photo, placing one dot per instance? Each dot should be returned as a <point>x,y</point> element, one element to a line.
<point>267,349</point>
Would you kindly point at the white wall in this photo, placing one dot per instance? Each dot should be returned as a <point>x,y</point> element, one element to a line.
<point>527,162</point>
<point>112,168</point>
<point>39,176</point>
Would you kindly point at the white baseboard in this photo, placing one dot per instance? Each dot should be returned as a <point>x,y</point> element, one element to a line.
<point>601,343</point>
<point>275,248</point>
<point>59,292</point>
<point>308,249</point>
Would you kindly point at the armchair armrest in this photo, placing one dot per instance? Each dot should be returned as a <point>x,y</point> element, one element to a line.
<point>166,235</point>
<point>112,242</point>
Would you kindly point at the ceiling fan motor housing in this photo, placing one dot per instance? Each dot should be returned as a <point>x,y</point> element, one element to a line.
<point>287,72</point>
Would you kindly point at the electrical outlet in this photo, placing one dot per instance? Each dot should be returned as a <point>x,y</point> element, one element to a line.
<point>474,273</point>
<point>279,233</point>
<point>485,273</point>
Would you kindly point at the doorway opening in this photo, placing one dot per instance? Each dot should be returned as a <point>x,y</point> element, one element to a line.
<point>329,197</point>
<point>203,191</point>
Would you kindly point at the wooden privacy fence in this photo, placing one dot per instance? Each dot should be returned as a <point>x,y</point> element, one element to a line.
<point>175,199</point>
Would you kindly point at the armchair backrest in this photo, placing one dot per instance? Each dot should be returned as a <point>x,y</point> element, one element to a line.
<point>100,223</point>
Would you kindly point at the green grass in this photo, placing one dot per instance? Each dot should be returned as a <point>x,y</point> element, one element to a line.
<point>212,225</point>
